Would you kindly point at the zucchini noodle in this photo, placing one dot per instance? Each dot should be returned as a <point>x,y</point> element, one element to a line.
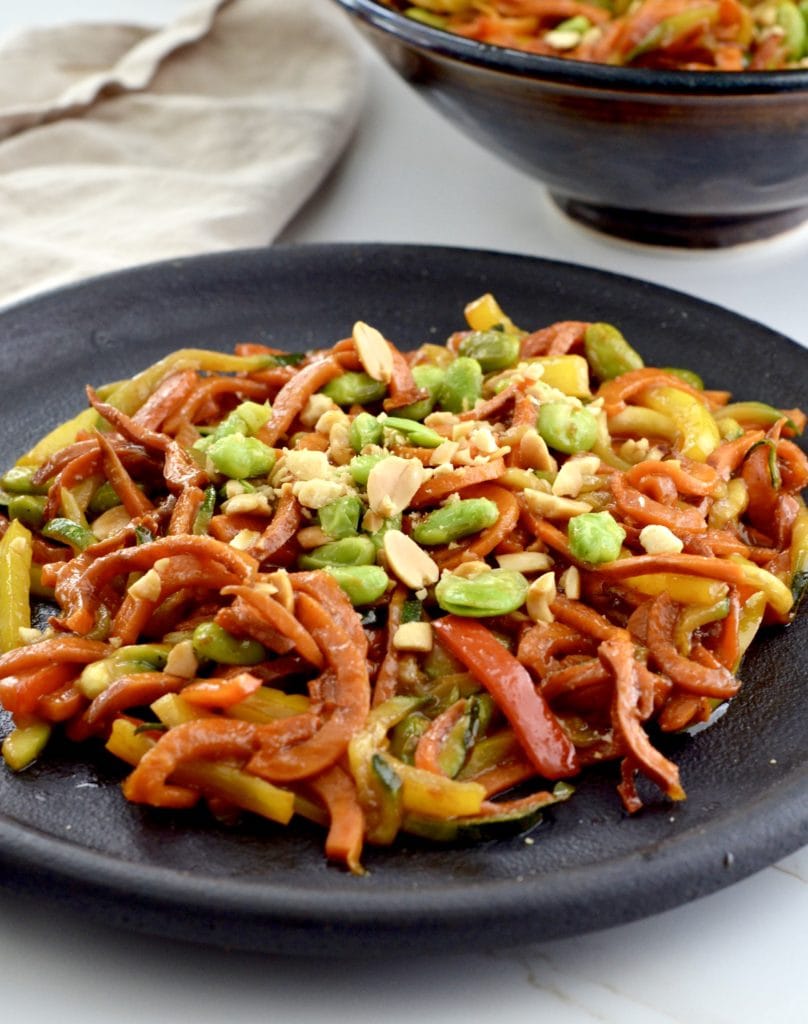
<point>692,35</point>
<point>396,593</point>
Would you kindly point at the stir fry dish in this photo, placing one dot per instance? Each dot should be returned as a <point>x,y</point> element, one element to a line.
<point>396,593</point>
<point>695,35</point>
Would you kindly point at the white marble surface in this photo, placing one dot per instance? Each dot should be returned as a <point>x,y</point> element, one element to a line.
<point>736,957</point>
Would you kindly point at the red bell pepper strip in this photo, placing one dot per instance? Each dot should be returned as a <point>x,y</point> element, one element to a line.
<point>510,684</point>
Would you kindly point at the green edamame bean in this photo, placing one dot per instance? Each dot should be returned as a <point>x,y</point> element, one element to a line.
<point>243,421</point>
<point>247,419</point>
<point>567,428</point>
<point>360,466</point>
<point>595,537</point>
<point>364,429</point>
<point>239,457</point>
<point>340,518</point>
<point>455,520</point>
<point>495,592</point>
<point>28,508</point>
<point>415,433</point>
<point>348,551</point>
<point>213,643</point>
<point>429,377</point>
<point>363,584</point>
<point>608,353</point>
<point>493,350</point>
<point>462,385</point>
<point>355,388</point>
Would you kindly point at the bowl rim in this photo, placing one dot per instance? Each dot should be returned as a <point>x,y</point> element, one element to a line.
<point>564,71</point>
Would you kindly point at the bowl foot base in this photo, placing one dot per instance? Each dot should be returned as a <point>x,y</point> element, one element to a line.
<point>689,232</point>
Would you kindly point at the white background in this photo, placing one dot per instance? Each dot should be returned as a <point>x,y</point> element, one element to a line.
<point>737,957</point>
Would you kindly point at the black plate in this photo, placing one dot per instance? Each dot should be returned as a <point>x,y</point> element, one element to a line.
<point>67,835</point>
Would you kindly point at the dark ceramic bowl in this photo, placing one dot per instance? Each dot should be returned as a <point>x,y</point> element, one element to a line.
<point>671,157</point>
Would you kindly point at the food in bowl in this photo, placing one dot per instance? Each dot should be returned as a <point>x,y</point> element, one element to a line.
<point>692,35</point>
<point>396,593</point>
<point>673,157</point>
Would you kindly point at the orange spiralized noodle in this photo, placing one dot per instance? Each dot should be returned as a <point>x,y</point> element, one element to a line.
<point>328,586</point>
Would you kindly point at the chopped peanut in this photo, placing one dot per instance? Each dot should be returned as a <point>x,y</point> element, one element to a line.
<point>660,540</point>
<point>409,562</point>
<point>392,483</point>
<point>554,507</point>
<point>374,352</point>
<point>148,587</point>
<point>413,636</point>
<point>540,595</point>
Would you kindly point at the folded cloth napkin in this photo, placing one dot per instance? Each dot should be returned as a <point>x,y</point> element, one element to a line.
<point>122,144</point>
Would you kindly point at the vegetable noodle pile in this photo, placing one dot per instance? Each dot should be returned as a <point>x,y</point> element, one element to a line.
<point>396,593</point>
<point>694,35</point>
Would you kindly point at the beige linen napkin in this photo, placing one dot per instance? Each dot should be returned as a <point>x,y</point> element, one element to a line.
<point>121,144</point>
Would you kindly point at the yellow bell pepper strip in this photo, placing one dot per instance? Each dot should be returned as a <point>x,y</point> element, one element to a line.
<point>128,395</point>
<point>16,550</point>
<point>511,686</point>
<point>495,820</point>
<point>750,618</point>
<point>269,704</point>
<point>567,373</point>
<point>689,590</point>
<point>435,796</point>
<point>25,743</point>
<point>733,569</point>
<point>693,617</point>
<point>759,414</point>
<point>211,779</point>
<point>485,313</point>
<point>637,421</point>
<point>619,391</point>
<point>172,710</point>
<point>698,434</point>
<point>61,436</point>
<point>798,556</point>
